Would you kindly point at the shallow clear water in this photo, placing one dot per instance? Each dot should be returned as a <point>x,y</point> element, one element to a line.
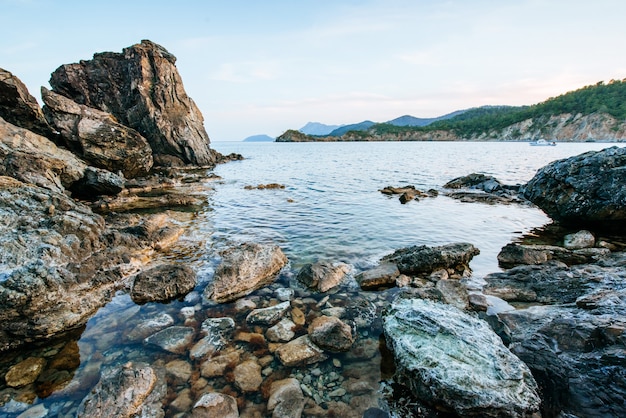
<point>330,209</point>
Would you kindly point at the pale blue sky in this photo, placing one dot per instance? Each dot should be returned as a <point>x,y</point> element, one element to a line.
<point>262,67</point>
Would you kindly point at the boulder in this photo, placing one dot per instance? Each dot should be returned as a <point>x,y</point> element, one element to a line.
<point>19,107</point>
<point>579,240</point>
<point>286,399</point>
<point>322,276</point>
<point>141,87</point>
<point>584,189</point>
<point>383,275</point>
<point>478,181</point>
<point>244,269</point>
<point>121,392</point>
<point>163,283</point>
<point>331,334</point>
<point>482,188</point>
<point>455,362</point>
<point>31,158</point>
<point>214,404</point>
<point>96,137</point>
<point>421,259</point>
<point>97,182</point>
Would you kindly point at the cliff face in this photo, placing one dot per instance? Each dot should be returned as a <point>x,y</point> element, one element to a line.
<point>141,87</point>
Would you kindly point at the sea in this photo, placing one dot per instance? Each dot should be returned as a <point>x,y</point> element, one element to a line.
<point>327,207</point>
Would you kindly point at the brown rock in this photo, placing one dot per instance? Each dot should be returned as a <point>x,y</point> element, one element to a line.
<point>286,399</point>
<point>330,333</point>
<point>163,283</point>
<point>322,276</point>
<point>141,87</point>
<point>300,351</point>
<point>97,137</point>
<point>25,372</point>
<point>383,275</point>
<point>248,376</point>
<point>212,405</point>
<point>244,269</point>
<point>218,365</point>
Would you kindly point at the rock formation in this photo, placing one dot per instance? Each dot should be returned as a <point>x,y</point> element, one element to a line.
<point>585,189</point>
<point>19,107</point>
<point>96,137</point>
<point>141,87</point>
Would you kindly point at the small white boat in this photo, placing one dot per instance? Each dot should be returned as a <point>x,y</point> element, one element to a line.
<point>543,143</point>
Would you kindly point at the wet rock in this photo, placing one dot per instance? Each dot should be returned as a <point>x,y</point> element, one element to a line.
<point>37,411</point>
<point>322,276</point>
<point>243,269</point>
<point>581,239</point>
<point>96,137</point>
<point>34,159</point>
<point>268,316</point>
<point>213,404</point>
<point>454,361</point>
<point>173,339</point>
<point>179,369</point>
<point>163,283</point>
<point>25,372</point>
<point>424,260</point>
<point>248,376</point>
<point>482,188</point>
<point>265,186</point>
<point>478,181</point>
<point>454,293</point>
<point>217,366</point>
<point>300,351</point>
<point>331,334</point>
<point>121,392</point>
<point>141,87</point>
<point>97,182</point>
<point>584,189</point>
<point>286,399</point>
<point>19,107</point>
<point>297,316</point>
<point>383,275</point>
<point>67,359</point>
<point>519,254</point>
<point>283,331</point>
<point>150,326</point>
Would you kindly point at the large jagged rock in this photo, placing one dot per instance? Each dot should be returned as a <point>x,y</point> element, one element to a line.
<point>19,107</point>
<point>244,269</point>
<point>31,158</point>
<point>141,87</point>
<point>163,283</point>
<point>455,362</point>
<point>97,137</point>
<point>585,189</point>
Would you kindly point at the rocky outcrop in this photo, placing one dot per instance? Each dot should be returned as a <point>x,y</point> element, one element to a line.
<point>244,269</point>
<point>585,189</point>
<point>31,158</point>
<point>456,363</point>
<point>96,137</point>
<point>513,255</point>
<point>141,87</point>
<point>19,107</point>
<point>482,188</point>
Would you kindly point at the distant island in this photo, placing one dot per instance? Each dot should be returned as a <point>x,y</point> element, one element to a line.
<point>592,113</point>
<point>259,138</point>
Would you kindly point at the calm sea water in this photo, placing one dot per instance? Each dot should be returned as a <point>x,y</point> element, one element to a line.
<point>330,209</point>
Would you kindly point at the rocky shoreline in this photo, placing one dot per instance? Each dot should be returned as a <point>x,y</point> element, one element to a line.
<point>85,185</point>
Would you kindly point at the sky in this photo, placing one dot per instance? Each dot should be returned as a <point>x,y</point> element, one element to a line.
<point>266,66</point>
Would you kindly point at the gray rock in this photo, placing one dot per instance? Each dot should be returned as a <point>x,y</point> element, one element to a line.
<point>268,316</point>
<point>121,392</point>
<point>454,361</point>
<point>97,137</point>
<point>588,188</point>
<point>174,339</point>
<point>286,399</point>
<point>163,283</point>
<point>513,255</point>
<point>322,276</point>
<point>424,260</point>
<point>244,269</point>
<point>581,239</point>
<point>19,107</point>
<point>150,326</point>
<point>283,331</point>
<point>97,182</point>
<point>212,405</point>
<point>218,333</point>
<point>141,87</point>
